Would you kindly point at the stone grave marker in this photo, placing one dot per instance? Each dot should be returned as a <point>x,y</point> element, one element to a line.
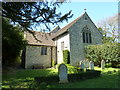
<point>114,70</point>
<point>102,64</point>
<point>81,64</point>
<point>86,64</point>
<point>91,65</point>
<point>63,75</point>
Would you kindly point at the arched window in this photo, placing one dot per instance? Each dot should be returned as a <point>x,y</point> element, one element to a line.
<point>86,35</point>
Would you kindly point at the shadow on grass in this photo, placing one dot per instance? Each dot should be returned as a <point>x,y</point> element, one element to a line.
<point>24,78</point>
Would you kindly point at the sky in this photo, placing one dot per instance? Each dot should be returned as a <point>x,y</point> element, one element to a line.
<point>96,10</point>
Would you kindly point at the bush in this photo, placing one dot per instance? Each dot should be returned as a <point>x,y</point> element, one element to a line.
<point>48,79</point>
<point>72,69</point>
<point>108,52</point>
<point>66,56</point>
<point>84,75</point>
<point>71,77</point>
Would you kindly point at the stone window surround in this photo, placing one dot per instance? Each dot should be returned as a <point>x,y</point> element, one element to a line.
<point>86,33</point>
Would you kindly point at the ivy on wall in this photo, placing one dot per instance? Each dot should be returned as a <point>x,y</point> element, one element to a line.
<point>108,52</point>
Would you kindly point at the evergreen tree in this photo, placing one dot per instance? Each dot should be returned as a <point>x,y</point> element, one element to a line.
<point>12,43</point>
<point>29,14</point>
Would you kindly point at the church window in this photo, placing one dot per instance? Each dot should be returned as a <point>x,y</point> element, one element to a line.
<point>87,38</point>
<point>83,37</point>
<point>86,35</point>
<point>62,45</point>
<point>43,50</point>
<point>90,38</point>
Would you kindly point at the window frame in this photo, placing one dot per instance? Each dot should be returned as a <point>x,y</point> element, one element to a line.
<point>86,35</point>
<point>43,50</point>
<point>62,45</point>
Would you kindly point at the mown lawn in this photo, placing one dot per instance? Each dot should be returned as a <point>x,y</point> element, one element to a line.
<point>25,79</point>
<point>104,81</point>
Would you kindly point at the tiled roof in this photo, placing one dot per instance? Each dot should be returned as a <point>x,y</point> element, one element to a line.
<point>55,29</point>
<point>45,39</point>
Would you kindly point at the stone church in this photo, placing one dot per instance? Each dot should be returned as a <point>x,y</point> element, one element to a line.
<point>73,37</point>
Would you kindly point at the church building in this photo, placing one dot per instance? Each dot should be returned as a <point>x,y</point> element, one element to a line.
<point>73,37</point>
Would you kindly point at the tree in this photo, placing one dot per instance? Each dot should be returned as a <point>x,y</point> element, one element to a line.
<point>12,42</point>
<point>26,15</point>
<point>32,14</point>
<point>105,38</point>
<point>109,29</point>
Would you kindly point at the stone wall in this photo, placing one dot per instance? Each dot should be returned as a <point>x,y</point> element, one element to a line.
<point>54,54</point>
<point>77,51</point>
<point>34,57</point>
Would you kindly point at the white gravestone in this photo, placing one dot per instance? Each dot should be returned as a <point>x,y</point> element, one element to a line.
<point>102,64</point>
<point>91,65</point>
<point>63,76</point>
<point>81,64</point>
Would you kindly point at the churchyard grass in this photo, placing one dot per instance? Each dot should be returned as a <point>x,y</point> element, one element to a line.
<point>106,80</point>
<point>25,79</point>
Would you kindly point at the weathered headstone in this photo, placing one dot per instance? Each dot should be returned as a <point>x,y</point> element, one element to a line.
<point>86,63</point>
<point>91,65</point>
<point>114,70</point>
<point>102,64</point>
<point>63,76</point>
<point>81,64</point>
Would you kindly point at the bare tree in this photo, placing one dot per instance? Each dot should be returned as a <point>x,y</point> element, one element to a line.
<point>109,27</point>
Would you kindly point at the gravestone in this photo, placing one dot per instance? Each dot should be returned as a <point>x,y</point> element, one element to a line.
<point>91,65</point>
<point>86,63</point>
<point>102,64</point>
<point>81,64</point>
<point>114,70</point>
<point>62,71</point>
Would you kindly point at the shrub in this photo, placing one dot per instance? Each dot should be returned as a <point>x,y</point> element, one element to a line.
<point>71,77</point>
<point>48,79</point>
<point>66,56</point>
<point>108,52</point>
<point>72,69</point>
<point>84,75</point>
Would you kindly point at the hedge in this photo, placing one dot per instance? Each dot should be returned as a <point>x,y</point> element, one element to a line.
<point>71,77</point>
<point>84,75</point>
<point>108,52</point>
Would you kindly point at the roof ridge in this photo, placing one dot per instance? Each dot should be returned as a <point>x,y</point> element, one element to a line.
<point>72,22</point>
<point>64,29</point>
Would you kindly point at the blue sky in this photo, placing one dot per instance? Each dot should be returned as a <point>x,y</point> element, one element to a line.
<point>96,10</point>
